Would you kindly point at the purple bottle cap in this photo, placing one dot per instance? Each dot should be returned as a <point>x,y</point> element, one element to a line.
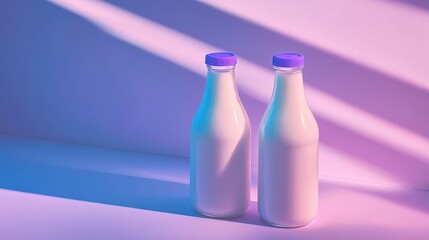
<point>221,59</point>
<point>288,60</point>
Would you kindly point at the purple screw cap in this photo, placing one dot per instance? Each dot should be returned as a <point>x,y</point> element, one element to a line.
<point>221,59</point>
<point>288,60</point>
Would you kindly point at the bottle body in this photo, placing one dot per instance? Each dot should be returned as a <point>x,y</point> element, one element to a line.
<point>288,155</point>
<point>220,149</point>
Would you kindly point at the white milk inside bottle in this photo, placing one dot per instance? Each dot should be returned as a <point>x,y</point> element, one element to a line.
<point>220,144</point>
<point>288,150</point>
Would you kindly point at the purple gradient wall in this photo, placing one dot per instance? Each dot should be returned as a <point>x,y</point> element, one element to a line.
<point>66,77</point>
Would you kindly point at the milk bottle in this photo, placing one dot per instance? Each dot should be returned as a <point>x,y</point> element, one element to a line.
<point>220,144</point>
<point>288,150</point>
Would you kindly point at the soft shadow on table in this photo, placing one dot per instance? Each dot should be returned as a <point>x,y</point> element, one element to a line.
<point>112,189</point>
<point>133,180</point>
<point>106,176</point>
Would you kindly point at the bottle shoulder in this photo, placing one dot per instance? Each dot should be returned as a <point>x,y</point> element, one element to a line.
<point>293,129</point>
<point>221,122</point>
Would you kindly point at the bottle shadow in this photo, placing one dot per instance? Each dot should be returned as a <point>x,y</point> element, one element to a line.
<point>107,188</point>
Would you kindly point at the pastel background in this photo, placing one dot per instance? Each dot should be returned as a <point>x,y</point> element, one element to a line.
<point>131,74</point>
<point>97,99</point>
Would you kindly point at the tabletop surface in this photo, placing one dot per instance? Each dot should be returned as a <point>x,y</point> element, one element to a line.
<point>52,190</point>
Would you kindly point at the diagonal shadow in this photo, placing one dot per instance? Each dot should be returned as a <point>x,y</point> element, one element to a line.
<point>77,84</point>
<point>408,170</point>
<point>377,93</point>
<point>350,79</point>
<point>423,4</point>
<point>383,160</point>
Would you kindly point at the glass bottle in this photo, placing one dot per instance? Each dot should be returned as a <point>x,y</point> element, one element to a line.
<point>288,149</point>
<point>220,144</point>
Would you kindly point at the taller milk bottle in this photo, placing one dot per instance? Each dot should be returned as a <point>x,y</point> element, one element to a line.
<point>288,150</point>
<point>220,144</point>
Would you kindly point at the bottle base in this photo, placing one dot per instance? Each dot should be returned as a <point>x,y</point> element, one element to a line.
<point>287,226</point>
<point>220,215</point>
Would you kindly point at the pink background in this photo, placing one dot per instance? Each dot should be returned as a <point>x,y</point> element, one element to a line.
<point>130,75</point>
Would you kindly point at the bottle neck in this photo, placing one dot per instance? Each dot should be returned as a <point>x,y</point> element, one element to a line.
<point>288,87</point>
<point>220,85</point>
